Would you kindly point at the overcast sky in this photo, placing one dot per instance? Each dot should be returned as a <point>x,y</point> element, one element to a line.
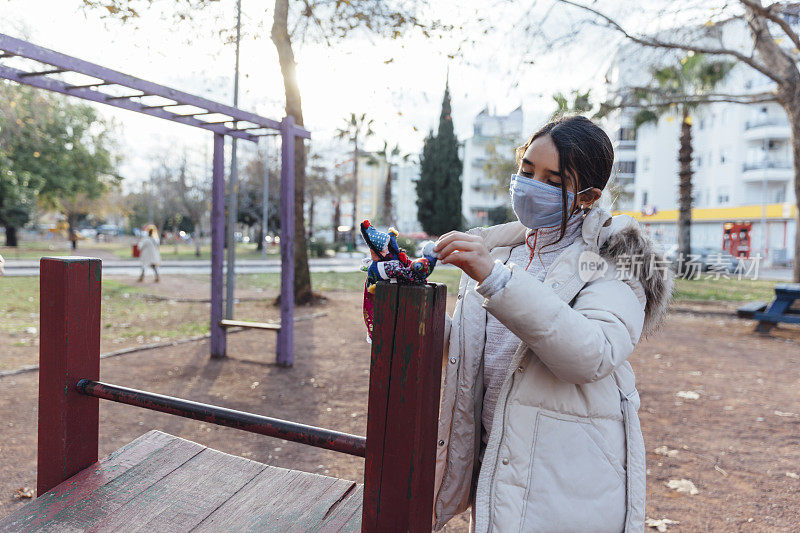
<point>399,83</point>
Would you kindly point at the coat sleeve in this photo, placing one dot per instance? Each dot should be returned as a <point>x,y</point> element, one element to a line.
<point>581,343</point>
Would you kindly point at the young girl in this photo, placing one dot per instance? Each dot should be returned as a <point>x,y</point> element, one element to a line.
<point>538,428</point>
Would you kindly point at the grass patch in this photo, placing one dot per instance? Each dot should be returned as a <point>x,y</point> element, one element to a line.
<point>730,290</point>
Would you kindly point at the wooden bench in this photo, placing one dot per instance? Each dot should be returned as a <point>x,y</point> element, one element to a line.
<point>780,310</point>
<point>165,483</point>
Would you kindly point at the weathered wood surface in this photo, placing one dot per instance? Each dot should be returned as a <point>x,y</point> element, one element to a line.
<point>69,349</point>
<point>246,324</point>
<point>403,407</point>
<point>160,482</point>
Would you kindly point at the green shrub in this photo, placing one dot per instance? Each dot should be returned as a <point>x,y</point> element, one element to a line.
<point>409,245</point>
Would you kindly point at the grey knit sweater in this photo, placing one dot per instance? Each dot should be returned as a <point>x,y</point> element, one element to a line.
<point>500,342</point>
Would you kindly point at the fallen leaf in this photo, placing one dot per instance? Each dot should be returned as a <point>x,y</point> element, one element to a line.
<point>24,492</point>
<point>666,452</point>
<point>782,413</point>
<point>682,485</point>
<point>792,475</point>
<point>660,524</point>
<point>687,394</point>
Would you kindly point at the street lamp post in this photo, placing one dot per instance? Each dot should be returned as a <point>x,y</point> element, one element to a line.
<point>233,188</point>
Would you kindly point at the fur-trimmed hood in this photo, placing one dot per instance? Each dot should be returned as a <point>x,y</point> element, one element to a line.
<point>634,253</point>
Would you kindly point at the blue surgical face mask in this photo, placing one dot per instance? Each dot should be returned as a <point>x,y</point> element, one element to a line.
<point>536,204</point>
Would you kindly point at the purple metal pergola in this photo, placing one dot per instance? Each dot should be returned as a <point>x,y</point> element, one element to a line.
<point>25,63</point>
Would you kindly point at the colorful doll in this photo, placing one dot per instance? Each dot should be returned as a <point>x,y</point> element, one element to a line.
<point>389,262</point>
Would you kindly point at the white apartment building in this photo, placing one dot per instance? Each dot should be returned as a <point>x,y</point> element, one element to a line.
<point>372,173</point>
<point>742,163</point>
<point>404,198</point>
<point>480,192</point>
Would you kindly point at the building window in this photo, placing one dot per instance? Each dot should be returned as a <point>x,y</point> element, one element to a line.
<point>723,156</point>
<point>699,160</point>
<point>646,164</point>
<point>627,134</point>
<point>723,196</point>
<point>626,167</point>
<point>644,198</point>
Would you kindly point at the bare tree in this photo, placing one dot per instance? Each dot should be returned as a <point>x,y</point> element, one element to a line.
<point>774,52</point>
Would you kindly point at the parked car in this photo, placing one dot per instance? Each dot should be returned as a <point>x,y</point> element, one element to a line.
<point>109,229</point>
<point>703,259</point>
<point>87,233</point>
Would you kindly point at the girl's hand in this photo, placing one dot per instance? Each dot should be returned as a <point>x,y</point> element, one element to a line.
<point>467,252</point>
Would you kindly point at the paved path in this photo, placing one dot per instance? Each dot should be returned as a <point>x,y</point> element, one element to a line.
<point>248,266</point>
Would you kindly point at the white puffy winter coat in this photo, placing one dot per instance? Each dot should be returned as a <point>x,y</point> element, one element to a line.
<point>566,451</point>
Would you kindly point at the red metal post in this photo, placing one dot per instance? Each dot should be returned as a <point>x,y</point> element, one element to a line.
<point>69,350</point>
<point>403,407</point>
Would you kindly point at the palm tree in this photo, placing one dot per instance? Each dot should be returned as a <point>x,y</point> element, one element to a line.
<point>392,157</point>
<point>356,128</point>
<point>581,103</point>
<point>694,76</point>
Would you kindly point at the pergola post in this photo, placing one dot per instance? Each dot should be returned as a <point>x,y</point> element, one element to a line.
<point>286,333</point>
<point>217,245</point>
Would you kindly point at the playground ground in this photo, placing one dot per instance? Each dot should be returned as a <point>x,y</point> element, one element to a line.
<point>721,399</point>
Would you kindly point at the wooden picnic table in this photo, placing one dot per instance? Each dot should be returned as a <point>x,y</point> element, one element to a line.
<point>779,310</point>
<point>160,482</point>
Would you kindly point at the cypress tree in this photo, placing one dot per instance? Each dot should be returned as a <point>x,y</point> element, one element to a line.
<point>439,185</point>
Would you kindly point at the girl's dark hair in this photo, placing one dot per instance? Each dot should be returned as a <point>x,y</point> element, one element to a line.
<point>585,154</point>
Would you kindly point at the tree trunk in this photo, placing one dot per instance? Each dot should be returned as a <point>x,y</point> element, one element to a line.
<point>388,212</point>
<point>337,220</point>
<point>260,245</point>
<point>11,236</point>
<point>283,44</point>
<point>355,191</point>
<point>793,110</point>
<point>685,190</point>
<point>311,218</point>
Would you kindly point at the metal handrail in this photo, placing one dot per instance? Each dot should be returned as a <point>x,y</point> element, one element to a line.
<point>222,416</point>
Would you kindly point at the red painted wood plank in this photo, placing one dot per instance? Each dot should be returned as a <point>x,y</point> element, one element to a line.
<point>385,316</point>
<point>115,494</point>
<point>404,488</point>
<point>426,434</point>
<point>81,486</point>
<point>398,454</point>
<point>184,497</point>
<point>69,350</point>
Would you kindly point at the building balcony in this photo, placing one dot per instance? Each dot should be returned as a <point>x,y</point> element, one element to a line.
<point>625,144</point>
<point>766,121</point>
<point>770,170</point>
<point>767,128</point>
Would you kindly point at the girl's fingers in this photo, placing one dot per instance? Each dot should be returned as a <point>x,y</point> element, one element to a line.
<point>462,260</point>
<point>457,245</point>
<point>449,237</point>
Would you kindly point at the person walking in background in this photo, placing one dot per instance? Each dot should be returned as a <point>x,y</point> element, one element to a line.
<point>73,238</point>
<point>148,251</point>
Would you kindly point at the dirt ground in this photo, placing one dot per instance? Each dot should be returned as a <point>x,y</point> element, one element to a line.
<point>736,441</point>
